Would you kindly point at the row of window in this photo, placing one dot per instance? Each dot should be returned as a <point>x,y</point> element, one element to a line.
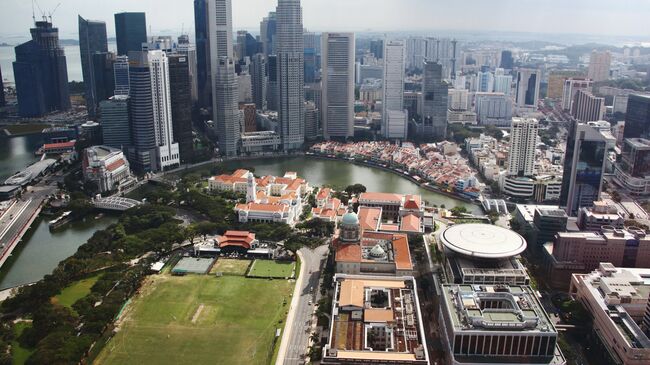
<point>502,345</point>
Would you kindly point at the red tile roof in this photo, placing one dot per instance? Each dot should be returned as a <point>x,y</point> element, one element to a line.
<point>59,145</point>
<point>382,197</point>
<point>410,223</point>
<point>115,165</point>
<point>369,218</point>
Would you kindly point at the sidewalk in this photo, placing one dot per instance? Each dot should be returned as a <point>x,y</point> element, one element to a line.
<point>288,325</point>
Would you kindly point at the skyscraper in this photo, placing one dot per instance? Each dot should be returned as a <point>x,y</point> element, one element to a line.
<point>435,92</point>
<point>571,87</point>
<point>114,115</point>
<point>377,48</point>
<point>485,80</point>
<point>311,120</point>
<point>224,79</point>
<point>187,49</point>
<point>502,83</point>
<point>587,107</point>
<point>415,52</point>
<point>203,67</point>
<point>290,63</point>
<point>584,164</point>
<point>507,62</point>
<point>2,90</point>
<point>272,92</point>
<point>181,104</point>
<point>103,76</point>
<point>523,140</point>
<point>527,94</point>
<point>338,85</point>
<point>130,32</point>
<point>92,39</point>
<point>268,31</point>
<point>121,75</point>
<point>599,66</point>
<point>637,117</point>
<point>393,99</point>
<point>259,80</point>
<point>41,73</point>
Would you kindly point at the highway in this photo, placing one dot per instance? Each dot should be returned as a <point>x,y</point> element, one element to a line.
<point>295,340</point>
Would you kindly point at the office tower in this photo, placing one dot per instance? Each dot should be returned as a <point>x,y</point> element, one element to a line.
<point>181,104</point>
<point>41,73</point>
<point>637,117</point>
<point>599,66</point>
<point>290,63</point>
<point>435,92</point>
<point>310,65</point>
<point>377,48</point>
<point>632,169</point>
<point>523,142</point>
<point>587,107</point>
<point>245,88</point>
<point>272,92</point>
<point>458,100</point>
<point>246,45</point>
<point>114,115</point>
<point>259,80</point>
<point>167,152</point>
<point>2,91</point>
<point>485,80</point>
<point>584,164</point>
<point>268,32</point>
<point>507,62</point>
<point>130,32</point>
<point>314,93</point>
<point>203,67</point>
<point>249,112</point>
<point>187,49</point>
<point>393,95</point>
<point>92,39</point>
<point>502,82</point>
<point>571,87</point>
<point>493,109</point>
<point>415,52</point>
<point>338,85</point>
<point>103,76</point>
<point>121,75</point>
<point>527,94</point>
<point>312,116</point>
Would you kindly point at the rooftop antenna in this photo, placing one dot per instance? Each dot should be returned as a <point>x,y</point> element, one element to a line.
<point>53,11</point>
<point>33,13</point>
<point>40,10</point>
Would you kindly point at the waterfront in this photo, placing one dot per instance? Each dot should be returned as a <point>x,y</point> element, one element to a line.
<point>337,173</point>
<point>16,153</point>
<point>43,250</point>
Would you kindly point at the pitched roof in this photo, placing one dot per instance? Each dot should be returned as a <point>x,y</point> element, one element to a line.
<point>410,223</point>
<point>401,251</point>
<point>381,197</point>
<point>369,218</point>
<point>115,165</point>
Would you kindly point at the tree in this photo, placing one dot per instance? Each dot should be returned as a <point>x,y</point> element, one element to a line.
<point>458,211</point>
<point>355,189</point>
<point>205,228</point>
<point>495,132</point>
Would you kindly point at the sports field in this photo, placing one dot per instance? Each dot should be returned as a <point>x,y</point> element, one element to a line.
<point>231,266</point>
<point>200,319</point>
<point>270,268</point>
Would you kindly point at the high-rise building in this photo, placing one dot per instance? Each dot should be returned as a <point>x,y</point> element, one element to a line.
<point>338,85</point>
<point>458,99</point>
<point>41,73</point>
<point>637,117</point>
<point>2,90</point>
<point>377,48</point>
<point>556,80</point>
<point>103,76</point>
<point>259,80</point>
<point>130,32</point>
<point>312,116</point>
<point>584,164</point>
<point>167,152</point>
<point>571,87</point>
<point>272,92</point>
<point>435,92</point>
<point>121,75</point>
<point>523,142</point>
<point>268,31</point>
<point>528,82</point>
<point>184,47</point>
<point>250,117</point>
<point>246,45</point>
<point>485,80</point>
<point>114,115</point>
<point>92,39</point>
<point>503,83</point>
<point>442,51</point>
<point>203,64</point>
<point>290,65</point>
<point>493,109</point>
<point>393,98</point>
<point>632,169</point>
<point>587,107</point>
<point>415,52</point>
<point>599,66</point>
<point>507,62</point>
<point>181,104</point>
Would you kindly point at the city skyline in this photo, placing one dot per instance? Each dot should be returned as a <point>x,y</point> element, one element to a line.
<point>393,15</point>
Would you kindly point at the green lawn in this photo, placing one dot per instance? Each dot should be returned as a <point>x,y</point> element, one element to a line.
<point>76,291</point>
<point>200,319</point>
<point>266,268</point>
<point>19,354</point>
<point>231,266</point>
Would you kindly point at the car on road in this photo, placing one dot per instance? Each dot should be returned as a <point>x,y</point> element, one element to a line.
<point>309,302</point>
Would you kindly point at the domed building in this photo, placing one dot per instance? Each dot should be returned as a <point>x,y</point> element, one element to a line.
<point>349,228</point>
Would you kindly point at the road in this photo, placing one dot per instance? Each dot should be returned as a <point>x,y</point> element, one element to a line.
<point>295,339</point>
<point>15,221</point>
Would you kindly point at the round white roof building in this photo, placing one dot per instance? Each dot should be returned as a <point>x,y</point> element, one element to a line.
<point>483,241</point>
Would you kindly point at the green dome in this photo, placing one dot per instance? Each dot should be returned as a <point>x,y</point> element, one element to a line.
<point>350,219</point>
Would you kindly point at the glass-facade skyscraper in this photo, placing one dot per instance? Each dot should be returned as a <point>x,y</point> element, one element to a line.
<point>202,53</point>
<point>130,32</point>
<point>92,40</point>
<point>435,93</point>
<point>637,117</point>
<point>181,102</point>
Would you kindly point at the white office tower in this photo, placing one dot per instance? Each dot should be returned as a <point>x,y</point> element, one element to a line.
<point>527,94</point>
<point>224,83</point>
<point>485,80</point>
<point>290,67</point>
<point>393,99</point>
<point>458,99</point>
<point>337,57</point>
<point>599,66</point>
<point>523,140</point>
<point>167,150</point>
<point>502,83</point>
<point>416,48</point>
<point>571,88</point>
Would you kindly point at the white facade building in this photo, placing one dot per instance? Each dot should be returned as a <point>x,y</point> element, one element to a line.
<point>528,81</point>
<point>393,95</point>
<point>107,167</point>
<point>338,85</point>
<point>167,150</point>
<point>523,140</point>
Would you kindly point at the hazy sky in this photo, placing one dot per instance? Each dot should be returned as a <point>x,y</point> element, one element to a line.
<point>607,17</point>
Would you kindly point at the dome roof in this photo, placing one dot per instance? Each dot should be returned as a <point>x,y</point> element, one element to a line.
<point>377,251</point>
<point>350,219</point>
